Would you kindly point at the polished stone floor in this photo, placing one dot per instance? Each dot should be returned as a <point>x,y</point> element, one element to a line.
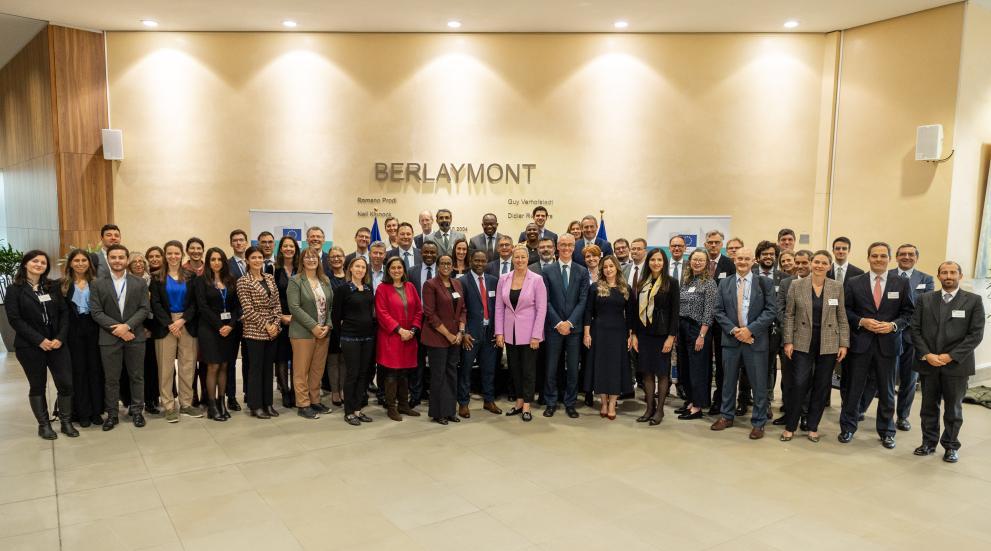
<point>488,483</point>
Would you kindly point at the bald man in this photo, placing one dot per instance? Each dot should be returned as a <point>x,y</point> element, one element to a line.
<point>426,227</point>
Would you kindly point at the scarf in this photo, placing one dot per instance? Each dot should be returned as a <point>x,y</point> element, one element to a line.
<point>647,306</point>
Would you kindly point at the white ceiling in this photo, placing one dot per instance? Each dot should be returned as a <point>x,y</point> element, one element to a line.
<point>15,33</point>
<point>476,15</point>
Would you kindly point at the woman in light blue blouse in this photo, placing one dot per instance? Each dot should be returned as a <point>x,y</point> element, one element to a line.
<point>84,352</point>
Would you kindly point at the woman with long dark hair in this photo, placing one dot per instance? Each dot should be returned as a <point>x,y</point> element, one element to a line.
<point>609,321</point>
<point>262,323</point>
<point>400,316</point>
<point>354,316</point>
<point>286,267</point>
<point>658,301</point>
<point>459,257</point>
<point>40,320</point>
<point>84,351</point>
<point>137,265</point>
<point>218,306</point>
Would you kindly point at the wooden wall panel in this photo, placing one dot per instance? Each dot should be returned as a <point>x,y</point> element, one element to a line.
<point>85,200</point>
<point>80,88</point>
<point>26,130</point>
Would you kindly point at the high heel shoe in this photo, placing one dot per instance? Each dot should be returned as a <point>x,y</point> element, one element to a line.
<point>611,416</point>
<point>271,411</point>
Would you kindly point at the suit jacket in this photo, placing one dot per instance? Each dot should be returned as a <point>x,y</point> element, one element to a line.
<point>350,257</point>
<point>548,234</point>
<point>580,248</point>
<point>834,330</point>
<point>236,271</point>
<point>26,315</point>
<point>896,307</point>
<point>210,304</point>
<point>414,273</point>
<point>851,271</point>
<point>440,307</point>
<point>781,294</point>
<point>302,304</point>
<point>99,262</point>
<point>935,330</point>
<point>437,237</point>
<point>495,267</point>
<point>260,306</point>
<point>726,266</point>
<point>567,305</point>
<point>418,240</point>
<point>759,315</point>
<point>665,319</point>
<point>525,322</point>
<point>417,257</point>
<point>161,309</point>
<point>918,283</point>
<point>477,243</point>
<point>474,324</point>
<point>105,312</point>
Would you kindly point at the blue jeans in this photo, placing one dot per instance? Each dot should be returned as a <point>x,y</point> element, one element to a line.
<point>487,354</point>
<point>755,362</point>
<point>571,345</point>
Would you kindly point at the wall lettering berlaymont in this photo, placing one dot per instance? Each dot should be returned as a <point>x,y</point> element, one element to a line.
<point>471,173</point>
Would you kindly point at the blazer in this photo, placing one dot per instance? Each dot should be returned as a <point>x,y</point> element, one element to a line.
<point>236,271</point>
<point>99,262</point>
<point>390,350</point>
<point>896,307</point>
<point>302,306</point>
<point>210,305</point>
<point>26,314</point>
<point>781,293</point>
<point>564,305</point>
<point>438,238</point>
<point>918,283</point>
<point>477,243</point>
<point>834,330</point>
<point>851,271</point>
<point>956,329</point>
<point>759,316</point>
<point>414,277</point>
<point>724,265</point>
<point>665,319</point>
<point>418,240</point>
<point>105,312</point>
<point>160,308</point>
<point>350,257</point>
<point>260,306</point>
<point>417,256</point>
<point>548,234</point>
<point>441,308</point>
<point>580,248</point>
<point>494,267</point>
<point>474,314</point>
<point>525,322</point>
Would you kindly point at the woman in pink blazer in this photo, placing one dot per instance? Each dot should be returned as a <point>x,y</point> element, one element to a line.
<point>521,305</point>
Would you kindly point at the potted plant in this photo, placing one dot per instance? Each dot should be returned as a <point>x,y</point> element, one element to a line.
<point>10,259</point>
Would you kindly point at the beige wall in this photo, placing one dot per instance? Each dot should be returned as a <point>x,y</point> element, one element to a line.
<point>219,123</point>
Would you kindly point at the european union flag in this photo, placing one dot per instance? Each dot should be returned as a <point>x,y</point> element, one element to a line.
<point>602,230</point>
<point>376,236</point>
<point>691,240</point>
<point>295,233</point>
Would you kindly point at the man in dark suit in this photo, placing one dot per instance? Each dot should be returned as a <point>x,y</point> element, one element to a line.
<point>918,283</point>
<point>720,267</point>
<point>745,309</point>
<point>878,306</point>
<point>479,342</point>
<point>426,226</point>
<point>545,256</point>
<point>119,304</point>
<point>405,249</point>
<point>488,240</point>
<point>590,225</point>
<point>842,269</point>
<point>109,235</point>
<point>803,267</point>
<point>419,275</point>
<point>766,266</point>
<point>445,237</point>
<point>239,244</point>
<point>503,263</point>
<point>540,218</point>
<point>314,240</point>
<point>567,290</point>
<point>362,239</point>
<point>946,328</point>
<point>239,267</point>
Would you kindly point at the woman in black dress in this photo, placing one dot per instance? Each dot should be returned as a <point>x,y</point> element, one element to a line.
<point>218,306</point>
<point>658,300</point>
<point>609,320</point>
<point>286,266</point>
<point>84,351</point>
<point>155,262</point>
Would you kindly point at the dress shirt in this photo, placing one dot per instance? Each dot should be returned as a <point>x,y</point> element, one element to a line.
<point>241,264</point>
<point>424,276</point>
<point>676,269</point>
<point>845,267</point>
<point>766,273</point>
<point>747,282</point>
<point>633,268</point>
<point>505,266</point>
<point>377,276</point>
<point>907,274</point>
<point>953,294</point>
<point>408,256</point>
<point>884,280</point>
<point>120,287</point>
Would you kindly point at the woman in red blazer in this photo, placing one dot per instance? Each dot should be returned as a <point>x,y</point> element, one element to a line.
<point>400,317</point>
<point>444,310</point>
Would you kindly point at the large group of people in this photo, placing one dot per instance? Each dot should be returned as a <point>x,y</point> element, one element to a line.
<point>408,318</point>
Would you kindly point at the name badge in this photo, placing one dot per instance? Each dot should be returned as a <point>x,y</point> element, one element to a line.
<point>721,275</point>
<point>958,314</point>
<point>491,294</point>
<point>920,287</point>
<point>485,323</point>
<point>45,297</point>
<point>151,315</point>
<point>833,302</point>
<point>893,295</point>
<point>691,289</point>
<point>777,288</point>
<point>456,295</point>
<point>225,315</point>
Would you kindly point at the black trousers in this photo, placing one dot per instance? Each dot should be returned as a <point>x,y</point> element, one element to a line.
<point>950,390</point>
<point>87,370</point>
<point>117,357</point>
<point>694,368</point>
<point>358,355</point>
<point>884,368</point>
<point>419,381</point>
<point>152,392</point>
<point>37,363</point>
<point>261,356</point>
<point>809,370</point>
<point>443,380</point>
<point>523,370</point>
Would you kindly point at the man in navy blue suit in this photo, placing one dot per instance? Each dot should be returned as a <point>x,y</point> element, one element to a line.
<point>479,342</point>
<point>567,290</point>
<point>878,307</point>
<point>590,226</point>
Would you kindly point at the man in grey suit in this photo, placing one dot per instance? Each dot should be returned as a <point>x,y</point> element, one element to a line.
<point>109,235</point>
<point>405,250</point>
<point>445,237</point>
<point>745,308</point>
<point>946,328</point>
<point>119,305</point>
<point>488,240</point>
<point>567,290</point>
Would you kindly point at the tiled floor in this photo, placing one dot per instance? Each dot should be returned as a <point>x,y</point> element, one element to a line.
<point>488,483</point>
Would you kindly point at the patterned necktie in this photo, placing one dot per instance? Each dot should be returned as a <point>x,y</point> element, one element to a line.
<point>406,254</point>
<point>877,292</point>
<point>904,275</point>
<point>430,274</point>
<point>739,302</point>
<point>505,267</point>
<point>677,271</point>
<point>947,297</point>
<point>564,276</point>
<point>839,273</point>
<point>446,242</point>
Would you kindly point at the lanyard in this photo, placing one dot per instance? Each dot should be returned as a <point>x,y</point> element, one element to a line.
<point>223,295</point>
<point>123,289</point>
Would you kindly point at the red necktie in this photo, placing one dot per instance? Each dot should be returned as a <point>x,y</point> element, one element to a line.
<point>485,297</point>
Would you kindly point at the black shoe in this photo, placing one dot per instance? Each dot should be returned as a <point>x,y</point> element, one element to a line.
<point>903,424</point>
<point>683,409</point>
<point>714,410</point>
<point>527,416</point>
<point>541,401</point>
<point>85,423</point>
<point>260,413</point>
<point>414,403</point>
<point>138,419</point>
<point>861,417</point>
<point>372,389</point>
<point>364,418</point>
<point>549,411</point>
<point>845,437</point>
<point>67,428</point>
<point>572,413</point>
<point>888,442</point>
<point>233,405</point>
<point>779,421</point>
<point>352,420</point>
<point>45,431</point>
<point>111,422</point>
<point>96,419</point>
<point>589,400</point>
<point>453,419</point>
<point>513,411</point>
<point>438,420</point>
<point>804,424</point>
<point>689,415</point>
<point>271,411</point>
<point>321,408</point>
<point>307,413</point>
<point>950,456</point>
<point>925,449</point>
<point>337,403</point>
<point>645,417</point>
<point>152,409</point>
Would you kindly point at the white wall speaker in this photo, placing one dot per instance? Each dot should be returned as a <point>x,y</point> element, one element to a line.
<point>113,144</point>
<point>929,142</point>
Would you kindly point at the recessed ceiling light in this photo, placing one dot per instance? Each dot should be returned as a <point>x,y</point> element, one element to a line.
<point>621,24</point>
<point>150,23</point>
<point>289,24</point>
<point>454,24</point>
<point>791,24</point>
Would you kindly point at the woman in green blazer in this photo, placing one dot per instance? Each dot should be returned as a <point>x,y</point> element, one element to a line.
<point>310,298</point>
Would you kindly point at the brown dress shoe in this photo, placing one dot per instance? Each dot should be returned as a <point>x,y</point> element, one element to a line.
<point>722,424</point>
<point>757,433</point>
<point>491,407</point>
<point>463,412</point>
